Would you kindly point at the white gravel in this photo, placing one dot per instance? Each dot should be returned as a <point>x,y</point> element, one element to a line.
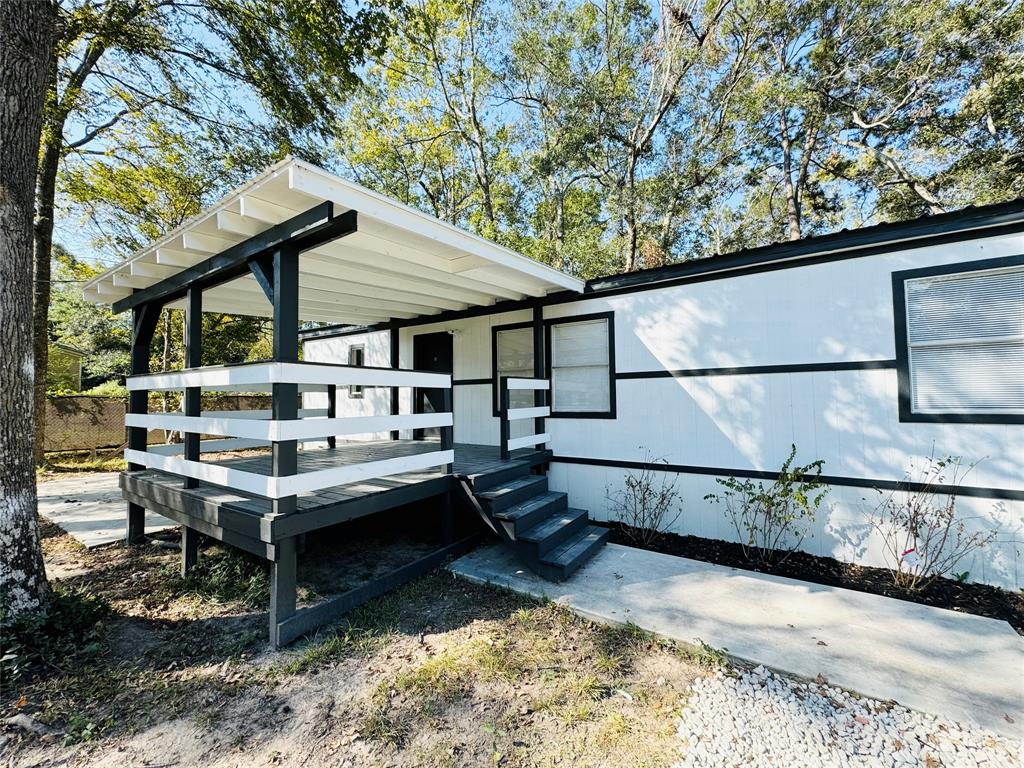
<point>758,718</point>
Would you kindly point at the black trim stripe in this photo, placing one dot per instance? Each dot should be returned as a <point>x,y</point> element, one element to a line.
<point>756,474</point>
<point>469,382</point>
<point>925,230</point>
<point>749,370</point>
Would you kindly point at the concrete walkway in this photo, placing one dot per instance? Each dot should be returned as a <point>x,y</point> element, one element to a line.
<point>962,667</point>
<point>89,507</point>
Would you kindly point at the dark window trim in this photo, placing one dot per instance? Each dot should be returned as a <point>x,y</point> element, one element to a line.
<point>612,404</point>
<point>899,309</point>
<point>495,329</point>
<point>757,474</point>
<point>355,392</point>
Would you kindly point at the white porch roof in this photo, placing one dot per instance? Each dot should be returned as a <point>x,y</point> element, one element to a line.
<point>401,263</point>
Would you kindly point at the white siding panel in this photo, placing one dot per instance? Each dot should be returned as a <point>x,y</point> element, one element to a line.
<point>825,313</point>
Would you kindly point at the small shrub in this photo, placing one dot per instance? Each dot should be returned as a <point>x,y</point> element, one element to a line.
<point>773,519</point>
<point>69,628</point>
<point>646,505</point>
<point>924,538</point>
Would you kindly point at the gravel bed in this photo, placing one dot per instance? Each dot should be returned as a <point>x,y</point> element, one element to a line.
<point>758,718</point>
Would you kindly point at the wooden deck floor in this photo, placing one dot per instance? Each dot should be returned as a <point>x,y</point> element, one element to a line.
<point>241,513</point>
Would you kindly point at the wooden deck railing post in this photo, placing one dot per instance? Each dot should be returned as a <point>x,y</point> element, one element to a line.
<point>286,349</point>
<point>447,433</point>
<point>332,411</point>
<point>503,413</point>
<point>193,359</point>
<point>144,317</point>
<point>539,356</point>
<point>395,363</point>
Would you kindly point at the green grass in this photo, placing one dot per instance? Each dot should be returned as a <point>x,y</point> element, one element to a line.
<point>223,575</point>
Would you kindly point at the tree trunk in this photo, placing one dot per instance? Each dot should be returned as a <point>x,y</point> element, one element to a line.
<point>631,233</point>
<point>793,223</point>
<point>46,186</point>
<point>27,35</point>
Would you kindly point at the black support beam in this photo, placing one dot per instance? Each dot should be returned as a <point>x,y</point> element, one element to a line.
<point>299,233</point>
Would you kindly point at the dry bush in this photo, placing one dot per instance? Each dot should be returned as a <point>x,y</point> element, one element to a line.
<point>924,537</point>
<point>648,503</point>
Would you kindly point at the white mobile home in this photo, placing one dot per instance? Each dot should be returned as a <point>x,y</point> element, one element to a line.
<point>869,349</point>
<point>446,367</point>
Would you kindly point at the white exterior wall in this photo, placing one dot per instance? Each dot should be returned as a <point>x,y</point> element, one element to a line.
<point>833,312</point>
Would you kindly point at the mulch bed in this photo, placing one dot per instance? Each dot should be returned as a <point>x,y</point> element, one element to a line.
<point>979,599</point>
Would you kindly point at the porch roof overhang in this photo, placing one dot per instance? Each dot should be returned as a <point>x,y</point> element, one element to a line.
<point>379,259</point>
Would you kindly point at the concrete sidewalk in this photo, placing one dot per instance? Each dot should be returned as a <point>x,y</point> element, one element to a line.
<point>966,668</point>
<point>89,507</point>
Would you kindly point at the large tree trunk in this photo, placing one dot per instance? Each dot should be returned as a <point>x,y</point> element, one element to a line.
<point>27,34</point>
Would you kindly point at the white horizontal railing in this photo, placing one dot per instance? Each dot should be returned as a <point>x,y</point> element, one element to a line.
<point>234,430</point>
<point>272,487</point>
<point>291,429</point>
<point>256,376</point>
<point>540,438</point>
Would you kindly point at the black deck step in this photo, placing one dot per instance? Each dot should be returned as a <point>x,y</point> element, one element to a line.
<point>549,533</point>
<point>483,481</point>
<point>511,492</point>
<point>528,514</point>
<point>565,559</point>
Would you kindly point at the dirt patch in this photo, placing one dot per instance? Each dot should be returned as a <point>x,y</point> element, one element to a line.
<point>438,673</point>
<point>978,599</point>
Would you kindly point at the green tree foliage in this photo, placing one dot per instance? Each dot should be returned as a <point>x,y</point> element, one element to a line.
<point>94,329</point>
<point>602,135</point>
<point>257,78</point>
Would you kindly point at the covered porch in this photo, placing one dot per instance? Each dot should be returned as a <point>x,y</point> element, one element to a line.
<point>302,246</point>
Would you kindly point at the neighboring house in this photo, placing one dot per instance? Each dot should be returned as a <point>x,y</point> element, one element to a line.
<point>869,349</point>
<point>64,366</point>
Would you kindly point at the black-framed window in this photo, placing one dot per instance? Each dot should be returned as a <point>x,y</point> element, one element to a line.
<point>357,358</point>
<point>512,354</point>
<point>581,365</point>
<point>959,332</point>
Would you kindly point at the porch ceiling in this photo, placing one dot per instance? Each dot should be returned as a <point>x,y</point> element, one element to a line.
<point>401,263</point>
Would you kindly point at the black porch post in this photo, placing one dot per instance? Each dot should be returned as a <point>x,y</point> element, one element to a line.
<point>285,453</point>
<point>286,350</point>
<point>144,317</point>
<point>193,359</point>
<point>395,360</point>
<point>332,411</point>
<point>193,407</point>
<point>538,366</point>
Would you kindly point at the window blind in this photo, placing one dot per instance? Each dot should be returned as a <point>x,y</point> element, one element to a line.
<point>580,367</point>
<point>965,337</point>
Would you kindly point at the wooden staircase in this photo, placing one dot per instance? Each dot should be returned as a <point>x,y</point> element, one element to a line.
<point>551,538</point>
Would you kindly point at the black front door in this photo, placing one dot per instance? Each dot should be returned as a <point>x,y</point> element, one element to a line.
<point>430,352</point>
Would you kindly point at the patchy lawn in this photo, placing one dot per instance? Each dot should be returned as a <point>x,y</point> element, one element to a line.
<point>176,672</point>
